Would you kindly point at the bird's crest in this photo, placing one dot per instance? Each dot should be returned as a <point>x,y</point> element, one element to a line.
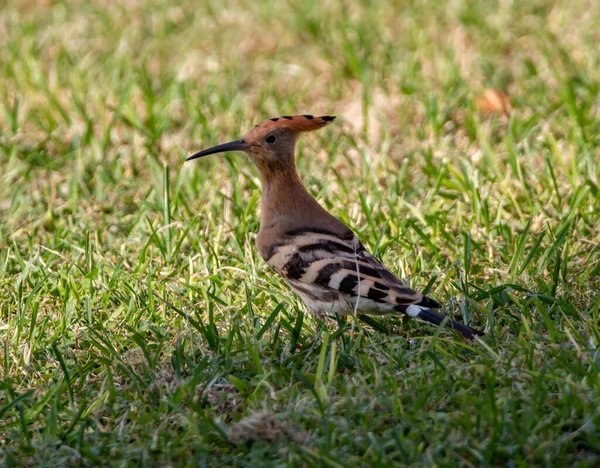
<point>298,123</point>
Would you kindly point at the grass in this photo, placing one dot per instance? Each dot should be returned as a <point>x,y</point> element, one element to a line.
<point>138,324</point>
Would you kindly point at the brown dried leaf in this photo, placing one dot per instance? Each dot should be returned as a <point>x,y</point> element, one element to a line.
<point>493,101</point>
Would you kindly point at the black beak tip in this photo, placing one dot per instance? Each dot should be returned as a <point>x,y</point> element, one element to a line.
<point>192,156</point>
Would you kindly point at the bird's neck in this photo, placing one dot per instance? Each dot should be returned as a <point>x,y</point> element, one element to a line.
<point>284,195</point>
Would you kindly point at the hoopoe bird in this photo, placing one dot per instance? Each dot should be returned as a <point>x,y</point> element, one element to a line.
<point>320,258</point>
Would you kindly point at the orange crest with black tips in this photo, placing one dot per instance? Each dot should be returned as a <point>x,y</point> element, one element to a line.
<point>298,123</point>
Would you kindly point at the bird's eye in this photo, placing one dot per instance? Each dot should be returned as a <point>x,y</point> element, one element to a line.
<point>271,139</point>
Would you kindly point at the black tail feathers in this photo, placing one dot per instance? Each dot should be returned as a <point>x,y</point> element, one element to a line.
<point>436,318</point>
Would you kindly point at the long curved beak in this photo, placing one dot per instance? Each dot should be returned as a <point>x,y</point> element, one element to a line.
<point>237,145</point>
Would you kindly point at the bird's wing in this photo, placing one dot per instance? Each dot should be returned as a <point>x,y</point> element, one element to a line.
<point>339,262</point>
<point>322,265</point>
<point>406,294</point>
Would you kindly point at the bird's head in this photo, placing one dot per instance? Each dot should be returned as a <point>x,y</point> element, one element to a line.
<point>271,143</point>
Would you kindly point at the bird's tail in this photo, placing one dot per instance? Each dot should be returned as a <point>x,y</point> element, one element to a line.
<point>436,318</point>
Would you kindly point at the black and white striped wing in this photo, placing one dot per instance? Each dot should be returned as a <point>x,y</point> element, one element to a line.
<point>335,273</point>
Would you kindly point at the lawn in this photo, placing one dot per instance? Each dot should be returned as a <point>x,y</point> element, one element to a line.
<point>138,323</point>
